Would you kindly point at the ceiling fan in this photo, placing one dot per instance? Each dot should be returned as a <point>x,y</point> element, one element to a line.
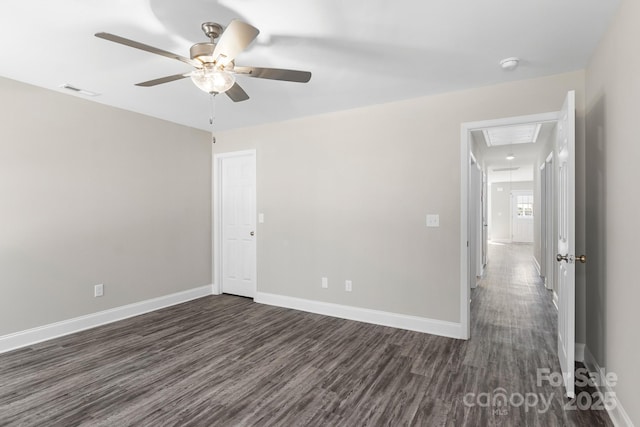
<point>214,64</point>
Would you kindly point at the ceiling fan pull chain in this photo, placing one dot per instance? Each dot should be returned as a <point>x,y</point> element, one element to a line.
<point>213,116</point>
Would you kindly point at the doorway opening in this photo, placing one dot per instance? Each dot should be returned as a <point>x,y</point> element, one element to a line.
<point>524,132</point>
<point>522,220</point>
<point>500,194</point>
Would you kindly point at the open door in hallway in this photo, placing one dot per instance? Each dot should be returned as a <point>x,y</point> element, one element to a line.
<point>565,211</point>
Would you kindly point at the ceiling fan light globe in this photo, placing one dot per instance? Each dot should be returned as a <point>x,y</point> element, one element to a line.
<point>213,81</point>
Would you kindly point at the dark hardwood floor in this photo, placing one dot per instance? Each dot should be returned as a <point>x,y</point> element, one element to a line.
<point>225,361</point>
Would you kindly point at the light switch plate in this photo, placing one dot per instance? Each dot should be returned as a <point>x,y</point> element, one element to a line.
<point>261,218</point>
<point>433,220</point>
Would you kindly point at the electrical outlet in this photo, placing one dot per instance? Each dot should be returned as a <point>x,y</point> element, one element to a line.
<point>433,220</point>
<point>325,283</point>
<point>98,290</point>
<point>348,286</point>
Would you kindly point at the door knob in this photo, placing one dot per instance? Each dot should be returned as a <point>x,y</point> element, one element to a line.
<point>571,258</point>
<point>253,233</point>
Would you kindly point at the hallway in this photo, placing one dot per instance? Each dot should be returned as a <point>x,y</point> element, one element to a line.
<point>513,334</point>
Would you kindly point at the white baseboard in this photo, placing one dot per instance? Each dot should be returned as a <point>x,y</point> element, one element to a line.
<point>537,264</point>
<point>53,330</point>
<point>579,352</point>
<point>401,321</point>
<point>215,290</point>
<point>500,240</point>
<point>618,415</point>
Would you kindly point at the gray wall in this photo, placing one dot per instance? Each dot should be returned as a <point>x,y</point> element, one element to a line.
<point>500,203</point>
<point>613,103</point>
<point>345,195</point>
<point>91,194</point>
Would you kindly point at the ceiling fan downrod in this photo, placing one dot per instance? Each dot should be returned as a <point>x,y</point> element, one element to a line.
<point>212,30</point>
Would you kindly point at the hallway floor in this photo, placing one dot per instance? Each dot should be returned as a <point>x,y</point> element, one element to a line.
<point>513,333</point>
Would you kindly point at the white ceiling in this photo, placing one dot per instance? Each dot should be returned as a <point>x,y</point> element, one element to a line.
<point>361,52</point>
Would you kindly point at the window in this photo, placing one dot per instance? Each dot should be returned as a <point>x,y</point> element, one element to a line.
<point>524,206</point>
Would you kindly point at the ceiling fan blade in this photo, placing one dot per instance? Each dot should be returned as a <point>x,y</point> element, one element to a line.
<point>147,48</point>
<point>161,80</point>
<point>234,40</point>
<point>275,74</point>
<point>237,94</point>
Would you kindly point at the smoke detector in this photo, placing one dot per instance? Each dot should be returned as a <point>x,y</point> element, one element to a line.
<point>509,64</point>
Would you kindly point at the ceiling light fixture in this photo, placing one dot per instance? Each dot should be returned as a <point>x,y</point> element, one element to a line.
<point>510,64</point>
<point>510,156</point>
<point>212,80</point>
<point>213,77</point>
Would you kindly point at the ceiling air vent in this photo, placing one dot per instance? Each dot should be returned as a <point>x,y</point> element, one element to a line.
<point>505,169</point>
<point>78,90</point>
<point>509,135</point>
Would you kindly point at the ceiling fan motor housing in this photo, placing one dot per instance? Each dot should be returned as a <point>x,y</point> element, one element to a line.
<point>202,52</point>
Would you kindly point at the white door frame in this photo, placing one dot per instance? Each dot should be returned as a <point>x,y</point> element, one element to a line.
<point>474,222</point>
<point>216,209</point>
<point>484,222</point>
<point>542,214</point>
<point>465,138</point>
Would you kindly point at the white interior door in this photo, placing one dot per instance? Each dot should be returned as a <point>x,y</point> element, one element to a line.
<point>485,219</point>
<point>565,210</point>
<point>550,234</point>
<point>238,224</point>
<point>522,216</point>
